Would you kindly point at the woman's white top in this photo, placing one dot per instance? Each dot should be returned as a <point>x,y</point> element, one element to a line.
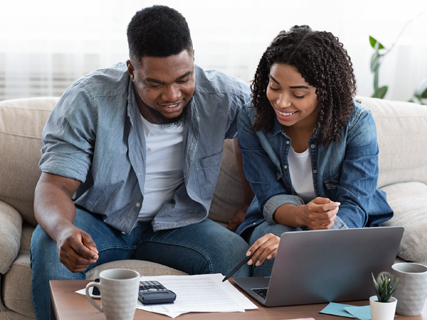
<point>301,174</point>
<point>164,166</point>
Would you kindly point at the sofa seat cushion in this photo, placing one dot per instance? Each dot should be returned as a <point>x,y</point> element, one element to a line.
<point>17,287</point>
<point>409,203</point>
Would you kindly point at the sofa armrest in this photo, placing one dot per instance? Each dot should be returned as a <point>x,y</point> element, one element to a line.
<point>10,235</point>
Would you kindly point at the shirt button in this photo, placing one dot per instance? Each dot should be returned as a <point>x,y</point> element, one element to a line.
<point>123,232</point>
<point>286,167</point>
<point>138,204</point>
<point>287,142</point>
<point>314,171</point>
<point>313,146</point>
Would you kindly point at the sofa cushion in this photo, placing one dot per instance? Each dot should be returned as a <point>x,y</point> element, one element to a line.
<point>17,287</point>
<point>409,203</point>
<point>21,125</point>
<point>228,196</point>
<point>400,127</point>
<point>10,235</point>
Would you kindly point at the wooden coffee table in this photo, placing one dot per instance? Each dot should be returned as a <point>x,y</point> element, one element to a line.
<point>68,305</point>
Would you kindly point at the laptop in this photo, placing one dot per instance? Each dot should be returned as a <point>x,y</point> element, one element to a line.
<point>325,265</point>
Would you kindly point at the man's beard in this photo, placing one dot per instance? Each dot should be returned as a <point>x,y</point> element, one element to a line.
<point>167,122</point>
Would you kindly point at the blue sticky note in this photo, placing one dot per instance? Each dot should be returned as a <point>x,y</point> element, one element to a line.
<point>337,309</point>
<point>363,313</point>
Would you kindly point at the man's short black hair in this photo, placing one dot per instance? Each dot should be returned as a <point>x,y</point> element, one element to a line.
<point>158,31</point>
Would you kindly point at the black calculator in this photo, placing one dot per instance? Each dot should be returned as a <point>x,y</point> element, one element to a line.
<point>153,292</point>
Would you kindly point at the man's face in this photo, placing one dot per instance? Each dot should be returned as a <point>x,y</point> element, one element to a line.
<point>164,85</point>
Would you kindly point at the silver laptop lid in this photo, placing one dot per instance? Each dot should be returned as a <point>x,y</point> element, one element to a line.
<point>330,265</point>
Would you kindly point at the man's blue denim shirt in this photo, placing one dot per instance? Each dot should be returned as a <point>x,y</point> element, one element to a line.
<point>345,171</point>
<point>95,135</point>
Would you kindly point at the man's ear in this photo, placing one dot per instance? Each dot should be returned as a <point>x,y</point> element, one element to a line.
<point>131,70</point>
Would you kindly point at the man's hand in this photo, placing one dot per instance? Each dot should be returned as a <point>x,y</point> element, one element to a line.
<point>76,249</point>
<point>264,248</point>
<point>237,219</point>
<point>319,213</point>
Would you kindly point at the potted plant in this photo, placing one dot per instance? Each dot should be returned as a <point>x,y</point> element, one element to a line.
<point>383,304</point>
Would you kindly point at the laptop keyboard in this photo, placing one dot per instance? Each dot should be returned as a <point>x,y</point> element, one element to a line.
<point>261,292</point>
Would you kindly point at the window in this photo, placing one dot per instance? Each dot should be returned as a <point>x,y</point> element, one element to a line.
<point>46,45</point>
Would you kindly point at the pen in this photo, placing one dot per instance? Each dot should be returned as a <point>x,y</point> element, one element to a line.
<point>237,267</point>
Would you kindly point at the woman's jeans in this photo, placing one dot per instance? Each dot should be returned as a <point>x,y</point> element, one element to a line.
<point>201,248</point>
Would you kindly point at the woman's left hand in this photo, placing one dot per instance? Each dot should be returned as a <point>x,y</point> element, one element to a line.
<point>264,248</point>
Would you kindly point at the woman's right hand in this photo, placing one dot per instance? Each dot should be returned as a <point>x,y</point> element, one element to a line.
<point>319,213</point>
<point>264,248</point>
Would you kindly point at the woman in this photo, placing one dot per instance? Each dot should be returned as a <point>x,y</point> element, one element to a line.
<point>310,151</point>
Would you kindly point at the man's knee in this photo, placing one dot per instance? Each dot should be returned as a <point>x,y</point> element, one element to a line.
<point>42,246</point>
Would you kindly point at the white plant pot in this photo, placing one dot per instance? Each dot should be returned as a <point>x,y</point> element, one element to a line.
<point>382,310</point>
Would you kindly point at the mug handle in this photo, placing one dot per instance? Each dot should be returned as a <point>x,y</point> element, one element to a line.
<point>93,284</point>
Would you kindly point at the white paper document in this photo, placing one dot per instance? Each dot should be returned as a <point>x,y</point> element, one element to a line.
<point>198,293</point>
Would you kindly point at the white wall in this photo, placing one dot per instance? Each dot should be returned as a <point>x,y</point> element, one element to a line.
<point>53,42</point>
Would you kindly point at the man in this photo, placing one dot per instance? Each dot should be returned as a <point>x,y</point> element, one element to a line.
<point>131,158</point>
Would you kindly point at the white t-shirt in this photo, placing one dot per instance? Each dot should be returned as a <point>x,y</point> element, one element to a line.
<point>301,174</point>
<point>164,166</point>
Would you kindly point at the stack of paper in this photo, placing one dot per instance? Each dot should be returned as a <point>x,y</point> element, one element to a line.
<point>199,293</point>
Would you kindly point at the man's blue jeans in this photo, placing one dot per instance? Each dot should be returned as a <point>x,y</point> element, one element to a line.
<point>201,248</point>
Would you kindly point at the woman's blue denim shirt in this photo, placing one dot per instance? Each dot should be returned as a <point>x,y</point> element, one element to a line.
<point>345,171</point>
<point>95,135</point>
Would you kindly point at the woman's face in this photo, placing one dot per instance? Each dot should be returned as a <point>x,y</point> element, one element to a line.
<point>292,98</point>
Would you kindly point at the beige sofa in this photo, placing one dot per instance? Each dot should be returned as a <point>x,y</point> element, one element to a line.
<point>402,134</point>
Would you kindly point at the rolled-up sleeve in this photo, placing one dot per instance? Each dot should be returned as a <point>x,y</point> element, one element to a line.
<point>275,202</point>
<point>69,135</point>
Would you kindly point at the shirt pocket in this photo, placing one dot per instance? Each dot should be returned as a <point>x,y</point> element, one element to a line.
<point>332,182</point>
<point>207,174</point>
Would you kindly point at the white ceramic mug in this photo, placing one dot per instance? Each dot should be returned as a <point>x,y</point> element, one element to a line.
<point>119,293</point>
<point>412,288</point>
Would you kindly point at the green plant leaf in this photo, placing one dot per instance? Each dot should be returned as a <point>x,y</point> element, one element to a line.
<point>374,42</point>
<point>385,285</point>
<point>421,89</point>
<point>382,92</point>
<point>418,100</point>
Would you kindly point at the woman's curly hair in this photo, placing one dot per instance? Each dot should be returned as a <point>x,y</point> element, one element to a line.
<point>324,64</point>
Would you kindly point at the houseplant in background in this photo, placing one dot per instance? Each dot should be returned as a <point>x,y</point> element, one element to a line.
<point>380,51</point>
<point>383,304</point>
<point>420,94</point>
